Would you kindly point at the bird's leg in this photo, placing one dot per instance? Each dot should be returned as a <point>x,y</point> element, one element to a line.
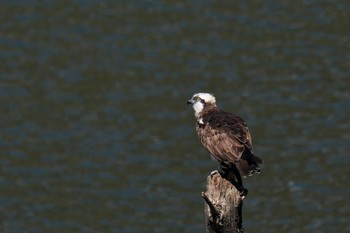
<point>224,168</point>
<point>230,172</point>
<point>243,191</point>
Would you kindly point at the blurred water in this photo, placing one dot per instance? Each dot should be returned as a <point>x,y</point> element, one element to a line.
<point>96,136</point>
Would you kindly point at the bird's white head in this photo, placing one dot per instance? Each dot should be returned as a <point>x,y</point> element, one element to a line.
<point>200,100</point>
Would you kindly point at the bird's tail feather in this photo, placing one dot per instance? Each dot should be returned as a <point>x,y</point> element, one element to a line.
<point>248,165</point>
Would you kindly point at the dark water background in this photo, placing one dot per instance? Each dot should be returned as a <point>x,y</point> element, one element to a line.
<point>96,135</point>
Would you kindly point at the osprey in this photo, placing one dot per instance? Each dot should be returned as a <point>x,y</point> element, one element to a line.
<point>225,136</point>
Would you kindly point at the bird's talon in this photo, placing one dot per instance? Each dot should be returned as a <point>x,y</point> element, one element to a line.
<point>243,192</point>
<point>213,172</point>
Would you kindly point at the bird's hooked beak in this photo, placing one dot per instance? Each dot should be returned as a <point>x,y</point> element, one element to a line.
<point>190,102</point>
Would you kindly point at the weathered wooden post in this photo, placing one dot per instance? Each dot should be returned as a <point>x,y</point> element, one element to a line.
<point>223,205</point>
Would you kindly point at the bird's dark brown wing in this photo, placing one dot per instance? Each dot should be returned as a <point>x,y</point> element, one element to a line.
<point>236,127</point>
<point>225,136</point>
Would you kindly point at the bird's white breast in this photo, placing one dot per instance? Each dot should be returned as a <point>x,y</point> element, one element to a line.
<point>200,121</point>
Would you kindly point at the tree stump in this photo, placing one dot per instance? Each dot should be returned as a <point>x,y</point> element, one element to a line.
<point>223,205</point>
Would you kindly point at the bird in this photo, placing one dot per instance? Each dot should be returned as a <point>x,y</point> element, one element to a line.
<point>225,136</point>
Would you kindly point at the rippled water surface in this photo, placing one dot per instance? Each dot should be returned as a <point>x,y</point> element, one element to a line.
<point>96,135</point>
